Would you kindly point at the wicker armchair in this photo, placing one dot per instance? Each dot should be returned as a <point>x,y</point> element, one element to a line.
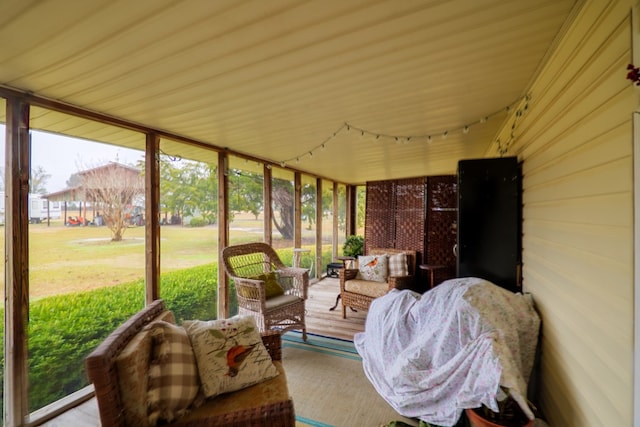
<point>265,404</point>
<point>359,294</point>
<point>244,263</point>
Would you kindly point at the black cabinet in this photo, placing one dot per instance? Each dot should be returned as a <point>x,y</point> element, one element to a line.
<point>489,218</point>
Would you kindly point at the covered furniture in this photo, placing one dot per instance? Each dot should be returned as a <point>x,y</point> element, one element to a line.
<point>119,370</point>
<point>455,347</point>
<point>358,292</point>
<point>273,293</point>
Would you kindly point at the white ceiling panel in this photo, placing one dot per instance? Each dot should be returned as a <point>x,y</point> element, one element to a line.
<point>276,79</point>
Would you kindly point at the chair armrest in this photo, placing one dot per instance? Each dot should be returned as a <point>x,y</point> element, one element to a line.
<point>299,285</point>
<point>250,289</point>
<point>272,341</point>
<point>346,274</point>
<point>400,282</point>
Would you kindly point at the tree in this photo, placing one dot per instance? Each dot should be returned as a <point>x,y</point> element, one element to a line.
<point>114,188</point>
<point>188,188</point>
<point>74,181</point>
<point>308,204</point>
<point>282,194</point>
<point>246,192</point>
<point>38,180</point>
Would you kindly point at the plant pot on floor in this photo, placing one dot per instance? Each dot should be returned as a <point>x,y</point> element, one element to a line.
<point>477,420</point>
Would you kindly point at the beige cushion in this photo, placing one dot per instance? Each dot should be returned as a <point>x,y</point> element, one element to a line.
<point>173,373</point>
<point>268,392</point>
<point>230,354</point>
<point>373,267</point>
<point>366,287</point>
<point>281,301</point>
<point>132,366</point>
<point>398,265</point>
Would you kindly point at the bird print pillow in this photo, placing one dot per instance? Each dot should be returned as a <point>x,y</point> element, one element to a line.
<point>229,353</point>
<point>373,267</point>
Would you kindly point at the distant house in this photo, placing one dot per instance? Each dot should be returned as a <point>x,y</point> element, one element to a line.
<point>94,183</point>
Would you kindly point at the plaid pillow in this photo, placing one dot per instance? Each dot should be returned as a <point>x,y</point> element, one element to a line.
<point>132,365</point>
<point>398,265</point>
<point>230,354</point>
<point>173,373</point>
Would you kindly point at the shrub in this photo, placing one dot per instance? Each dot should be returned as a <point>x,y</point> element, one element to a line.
<point>353,246</point>
<point>197,222</point>
<point>64,329</point>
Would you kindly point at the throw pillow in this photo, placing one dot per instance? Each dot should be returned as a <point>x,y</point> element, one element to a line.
<point>230,354</point>
<point>398,265</point>
<point>271,285</point>
<point>173,373</point>
<point>132,365</point>
<point>373,267</point>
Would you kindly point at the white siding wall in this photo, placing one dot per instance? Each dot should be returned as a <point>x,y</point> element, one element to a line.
<point>575,141</point>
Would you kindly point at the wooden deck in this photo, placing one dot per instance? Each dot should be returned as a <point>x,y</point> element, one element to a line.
<point>320,320</point>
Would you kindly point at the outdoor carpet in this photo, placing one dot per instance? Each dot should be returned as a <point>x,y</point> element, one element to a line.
<point>328,385</point>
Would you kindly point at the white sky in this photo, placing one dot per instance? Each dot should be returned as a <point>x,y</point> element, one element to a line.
<point>62,156</point>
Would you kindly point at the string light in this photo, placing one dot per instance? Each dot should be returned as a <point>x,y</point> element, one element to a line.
<point>503,147</point>
<point>398,139</point>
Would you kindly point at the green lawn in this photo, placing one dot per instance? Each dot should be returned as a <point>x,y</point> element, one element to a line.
<point>72,259</point>
<point>75,259</point>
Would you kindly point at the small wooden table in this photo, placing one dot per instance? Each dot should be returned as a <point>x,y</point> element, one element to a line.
<point>431,268</point>
<point>346,259</point>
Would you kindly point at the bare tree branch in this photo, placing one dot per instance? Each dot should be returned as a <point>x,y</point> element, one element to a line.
<point>114,189</point>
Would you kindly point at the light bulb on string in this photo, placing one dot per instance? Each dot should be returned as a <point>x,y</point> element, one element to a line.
<point>346,126</point>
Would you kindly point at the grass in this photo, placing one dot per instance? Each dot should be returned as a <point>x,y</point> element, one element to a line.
<point>74,259</point>
<point>65,260</point>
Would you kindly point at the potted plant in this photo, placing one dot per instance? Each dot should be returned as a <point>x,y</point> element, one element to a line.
<point>353,246</point>
<point>509,414</point>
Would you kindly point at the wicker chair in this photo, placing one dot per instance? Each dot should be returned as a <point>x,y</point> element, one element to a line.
<point>248,407</point>
<point>354,299</point>
<point>244,263</point>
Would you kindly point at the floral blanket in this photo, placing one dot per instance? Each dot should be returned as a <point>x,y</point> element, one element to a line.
<point>431,356</point>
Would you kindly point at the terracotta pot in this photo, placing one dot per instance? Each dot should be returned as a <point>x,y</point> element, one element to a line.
<point>477,421</point>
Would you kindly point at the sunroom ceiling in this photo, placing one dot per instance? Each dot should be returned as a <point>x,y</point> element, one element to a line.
<point>279,80</point>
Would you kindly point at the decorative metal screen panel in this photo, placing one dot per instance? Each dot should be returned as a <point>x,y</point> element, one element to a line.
<point>441,224</point>
<point>395,215</point>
